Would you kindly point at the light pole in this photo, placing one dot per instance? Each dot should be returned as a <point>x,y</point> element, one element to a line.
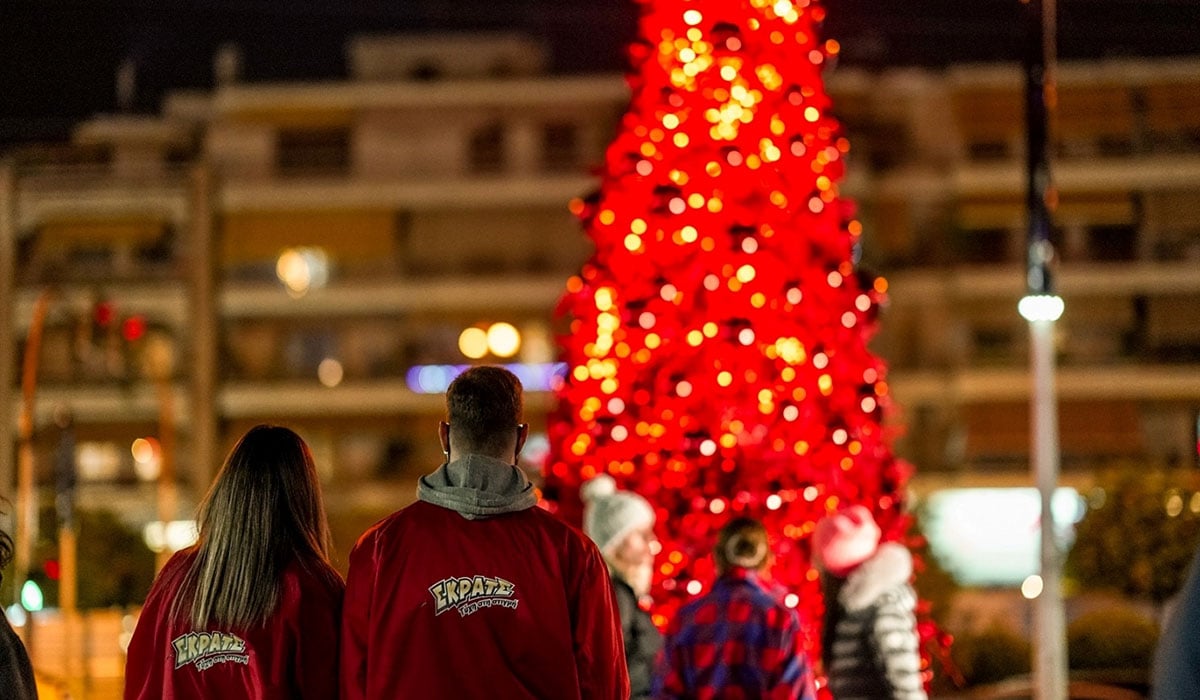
<point>159,360</point>
<point>1041,307</point>
<point>27,506</point>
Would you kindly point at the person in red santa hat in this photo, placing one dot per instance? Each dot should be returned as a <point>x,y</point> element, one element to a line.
<point>869,641</point>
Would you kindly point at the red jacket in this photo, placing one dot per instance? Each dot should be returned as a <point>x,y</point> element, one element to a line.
<point>493,601</point>
<point>293,656</point>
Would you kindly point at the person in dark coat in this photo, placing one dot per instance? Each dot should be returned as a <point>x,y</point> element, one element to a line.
<point>16,673</point>
<point>1176,674</point>
<point>621,523</point>
<point>869,640</point>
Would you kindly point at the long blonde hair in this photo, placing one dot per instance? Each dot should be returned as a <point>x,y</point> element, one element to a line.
<point>263,512</point>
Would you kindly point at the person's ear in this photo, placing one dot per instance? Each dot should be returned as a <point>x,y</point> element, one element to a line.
<point>444,437</point>
<point>522,436</point>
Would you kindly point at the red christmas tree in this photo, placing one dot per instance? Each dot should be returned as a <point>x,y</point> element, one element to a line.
<point>717,340</point>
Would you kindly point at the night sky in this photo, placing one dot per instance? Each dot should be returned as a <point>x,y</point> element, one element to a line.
<point>58,58</point>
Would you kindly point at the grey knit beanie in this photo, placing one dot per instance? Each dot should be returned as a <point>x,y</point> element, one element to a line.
<point>610,515</point>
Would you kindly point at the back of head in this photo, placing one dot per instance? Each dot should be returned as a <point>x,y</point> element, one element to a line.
<point>844,540</point>
<point>263,512</point>
<point>610,515</point>
<point>484,406</point>
<point>742,543</point>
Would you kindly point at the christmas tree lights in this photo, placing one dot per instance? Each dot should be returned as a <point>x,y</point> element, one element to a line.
<point>716,341</point>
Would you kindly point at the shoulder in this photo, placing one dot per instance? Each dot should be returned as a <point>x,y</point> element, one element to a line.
<point>559,528</point>
<point>317,579</point>
<point>768,604</point>
<point>180,561</point>
<point>174,572</point>
<point>390,526</point>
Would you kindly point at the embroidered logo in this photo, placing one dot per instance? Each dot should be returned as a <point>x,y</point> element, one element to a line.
<point>207,649</point>
<point>471,593</point>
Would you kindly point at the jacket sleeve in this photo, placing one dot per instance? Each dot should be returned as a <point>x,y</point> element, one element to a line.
<point>356,616</point>
<point>316,659</point>
<point>894,638</point>
<point>668,677</point>
<point>793,678</point>
<point>1176,670</point>
<point>599,649</point>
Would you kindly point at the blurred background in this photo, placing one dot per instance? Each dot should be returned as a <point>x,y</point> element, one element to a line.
<point>217,213</point>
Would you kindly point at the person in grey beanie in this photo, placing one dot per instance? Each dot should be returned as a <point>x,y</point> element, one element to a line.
<point>621,523</point>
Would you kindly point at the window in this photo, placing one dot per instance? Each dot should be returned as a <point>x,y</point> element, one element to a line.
<point>425,72</point>
<point>560,147</point>
<point>984,245</point>
<point>313,151</point>
<point>487,149</point>
<point>1112,242</point>
<point>988,150</point>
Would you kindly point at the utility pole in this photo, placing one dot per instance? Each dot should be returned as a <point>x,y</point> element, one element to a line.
<point>27,505</point>
<point>1042,307</point>
<point>68,584</point>
<point>160,367</point>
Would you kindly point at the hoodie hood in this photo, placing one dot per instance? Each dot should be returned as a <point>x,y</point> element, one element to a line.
<point>889,568</point>
<point>476,486</point>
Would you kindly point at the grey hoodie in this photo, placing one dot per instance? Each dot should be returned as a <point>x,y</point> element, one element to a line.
<point>477,486</point>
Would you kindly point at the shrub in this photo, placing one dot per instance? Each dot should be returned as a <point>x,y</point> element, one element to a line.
<point>992,655</point>
<point>1117,638</point>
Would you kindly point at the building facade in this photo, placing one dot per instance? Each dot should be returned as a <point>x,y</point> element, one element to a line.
<point>311,254</point>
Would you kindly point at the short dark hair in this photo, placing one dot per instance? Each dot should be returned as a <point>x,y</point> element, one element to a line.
<point>6,552</point>
<point>484,406</point>
<point>742,542</point>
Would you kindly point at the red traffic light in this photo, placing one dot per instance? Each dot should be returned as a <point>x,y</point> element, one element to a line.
<point>103,313</point>
<point>133,328</point>
<point>52,569</point>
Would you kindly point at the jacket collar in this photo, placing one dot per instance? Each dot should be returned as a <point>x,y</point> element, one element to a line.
<point>478,486</point>
<point>890,566</point>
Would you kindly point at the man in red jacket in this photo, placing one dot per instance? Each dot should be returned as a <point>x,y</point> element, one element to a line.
<point>473,591</point>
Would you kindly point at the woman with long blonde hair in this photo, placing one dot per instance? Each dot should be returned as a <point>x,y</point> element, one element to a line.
<point>254,608</point>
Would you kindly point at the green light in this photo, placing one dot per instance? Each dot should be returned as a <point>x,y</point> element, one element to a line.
<point>31,596</point>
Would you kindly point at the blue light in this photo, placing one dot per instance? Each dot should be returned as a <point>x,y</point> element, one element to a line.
<point>435,379</point>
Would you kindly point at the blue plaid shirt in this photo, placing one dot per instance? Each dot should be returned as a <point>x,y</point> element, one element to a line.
<point>736,642</point>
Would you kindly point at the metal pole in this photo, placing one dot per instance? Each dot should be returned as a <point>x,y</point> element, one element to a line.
<point>203,360</point>
<point>1050,667</point>
<point>1042,308</point>
<point>26,487</point>
<point>166,441</point>
<point>27,505</point>
<point>74,661</point>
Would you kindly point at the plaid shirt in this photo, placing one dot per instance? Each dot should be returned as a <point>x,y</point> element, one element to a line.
<point>736,642</point>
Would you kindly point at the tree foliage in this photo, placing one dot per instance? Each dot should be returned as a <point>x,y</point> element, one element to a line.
<point>1140,532</point>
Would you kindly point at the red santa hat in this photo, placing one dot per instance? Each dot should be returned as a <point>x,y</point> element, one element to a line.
<point>844,540</point>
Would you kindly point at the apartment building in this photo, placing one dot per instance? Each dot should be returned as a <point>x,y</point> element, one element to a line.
<point>297,253</point>
<point>312,254</point>
<point>944,201</point>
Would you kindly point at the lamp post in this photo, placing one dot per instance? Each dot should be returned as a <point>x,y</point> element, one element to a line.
<point>1041,307</point>
<point>27,506</point>
<point>159,360</point>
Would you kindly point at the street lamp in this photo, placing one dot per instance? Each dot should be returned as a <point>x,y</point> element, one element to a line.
<point>1042,308</point>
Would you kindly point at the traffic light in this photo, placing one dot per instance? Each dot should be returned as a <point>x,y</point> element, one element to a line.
<point>31,596</point>
<point>133,328</point>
